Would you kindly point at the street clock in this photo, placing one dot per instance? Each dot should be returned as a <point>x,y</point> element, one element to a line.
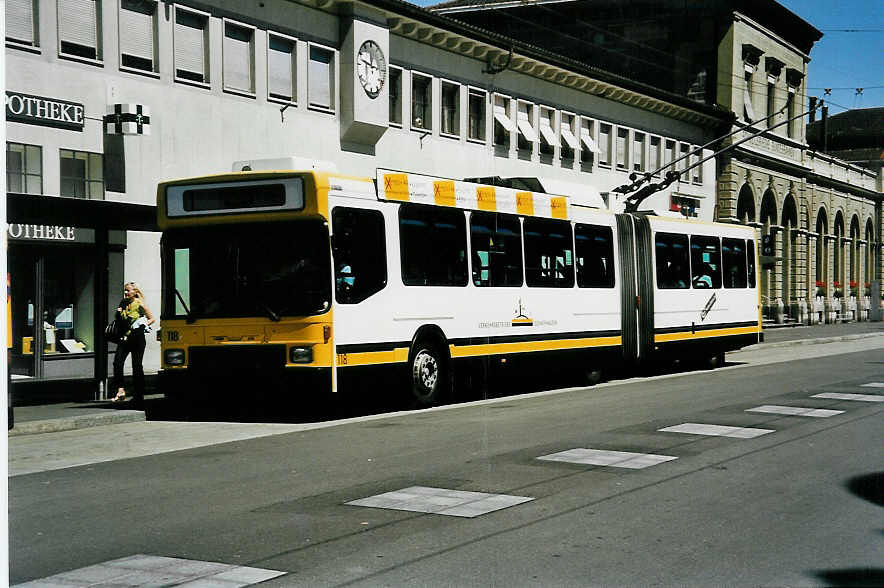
<point>371,68</point>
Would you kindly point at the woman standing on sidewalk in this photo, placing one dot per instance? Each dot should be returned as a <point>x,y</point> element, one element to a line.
<point>139,319</point>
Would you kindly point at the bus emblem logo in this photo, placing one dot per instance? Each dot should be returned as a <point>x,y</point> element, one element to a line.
<point>521,319</point>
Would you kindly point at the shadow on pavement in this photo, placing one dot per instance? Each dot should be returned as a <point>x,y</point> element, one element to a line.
<point>852,577</point>
<point>870,487</point>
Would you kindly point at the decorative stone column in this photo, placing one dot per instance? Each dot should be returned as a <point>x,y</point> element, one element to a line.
<point>798,293</point>
<point>775,283</point>
<point>829,307</point>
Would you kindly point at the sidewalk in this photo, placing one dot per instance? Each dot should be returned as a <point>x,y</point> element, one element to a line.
<point>68,416</point>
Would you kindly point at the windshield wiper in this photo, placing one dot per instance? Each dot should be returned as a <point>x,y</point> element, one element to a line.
<point>271,314</point>
<point>190,318</point>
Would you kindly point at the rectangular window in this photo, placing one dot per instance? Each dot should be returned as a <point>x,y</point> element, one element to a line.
<point>673,267</point>
<point>22,23</point>
<point>138,33</point>
<point>790,113</point>
<point>547,133</point>
<point>638,152</point>
<point>450,108</point>
<point>697,169</point>
<point>496,249</point>
<point>82,175</point>
<point>359,254</point>
<point>771,104</point>
<point>654,154</point>
<point>750,262</point>
<point>79,28</point>
<point>191,43</point>
<point>24,168</point>
<point>594,250</point>
<point>282,68</point>
<point>669,153</point>
<point>622,149</point>
<point>569,144</point>
<point>321,78</point>
<point>395,92</point>
<point>525,124</point>
<point>433,245</point>
<point>705,262</point>
<point>549,259</point>
<point>733,257</point>
<point>503,123</point>
<point>239,57</point>
<point>684,160</point>
<point>590,149</point>
<point>605,144</point>
<point>421,102</point>
<point>748,111</point>
<point>477,114</point>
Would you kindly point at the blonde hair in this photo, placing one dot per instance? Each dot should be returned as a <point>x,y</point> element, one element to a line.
<point>136,288</point>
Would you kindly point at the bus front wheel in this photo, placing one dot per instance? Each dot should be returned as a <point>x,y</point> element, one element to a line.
<point>429,375</point>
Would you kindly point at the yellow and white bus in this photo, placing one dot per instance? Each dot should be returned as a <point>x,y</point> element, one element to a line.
<point>302,282</point>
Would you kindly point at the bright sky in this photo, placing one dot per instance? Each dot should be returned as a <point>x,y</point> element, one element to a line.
<point>842,61</point>
<point>845,61</point>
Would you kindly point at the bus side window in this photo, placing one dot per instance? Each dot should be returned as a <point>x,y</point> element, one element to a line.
<point>595,256</point>
<point>360,254</point>
<point>496,241</point>
<point>433,246</point>
<point>750,262</point>
<point>733,253</point>
<point>549,257</point>
<point>673,270</point>
<point>705,262</point>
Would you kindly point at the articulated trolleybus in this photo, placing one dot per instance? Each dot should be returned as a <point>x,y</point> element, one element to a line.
<point>304,282</point>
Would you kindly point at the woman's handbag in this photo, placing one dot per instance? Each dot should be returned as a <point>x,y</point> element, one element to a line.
<point>116,329</point>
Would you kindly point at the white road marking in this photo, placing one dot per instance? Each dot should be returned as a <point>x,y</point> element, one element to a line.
<point>873,385</point>
<point>859,397</point>
<point>795,411</point>
<point>717,430</point>
<point>152,570</point>
<point>617,459</point>
<point>455,503</point>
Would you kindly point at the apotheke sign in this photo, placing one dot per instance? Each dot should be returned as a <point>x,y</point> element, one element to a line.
<point>41,232</point>
<point>47,112</point>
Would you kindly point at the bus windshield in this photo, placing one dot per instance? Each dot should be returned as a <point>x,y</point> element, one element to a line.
<point>270,270</point>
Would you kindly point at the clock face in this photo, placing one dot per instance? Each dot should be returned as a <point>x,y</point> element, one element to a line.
<point>371,68</point>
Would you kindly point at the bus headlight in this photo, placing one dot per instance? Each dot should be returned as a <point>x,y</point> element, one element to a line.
<point>301,354</point>
<point>173,356</point>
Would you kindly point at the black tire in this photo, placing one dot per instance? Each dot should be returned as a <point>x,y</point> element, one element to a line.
<point>592,376</point>
<point>429,374</point>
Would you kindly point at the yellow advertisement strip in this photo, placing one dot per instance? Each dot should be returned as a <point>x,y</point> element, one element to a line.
<point>396,187</point>
<point>443,193</point>
<point>559,207</point>
<point>686,335</point>
<point>486,198</point>
<point>525,203</point>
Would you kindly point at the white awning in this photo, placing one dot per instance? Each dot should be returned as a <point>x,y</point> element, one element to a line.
<point>588,141</point>
<point>547,133</point>
<point>527,130</point>
<point>501,117</point>
<point>569,137</point>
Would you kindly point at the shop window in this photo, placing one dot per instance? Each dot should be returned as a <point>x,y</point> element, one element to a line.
<point>421,102</point>
<point>604,145</point>
<point>705,262</point>
<point>673,267</point>
<point>321,78</point>
<point>138,32</point>
<point>239,57</point>
<point>22,22</point>
<point>79,28</point>
<point>68,307</point>
<point>24,168</point>
<point>191,46</point>
<point>82,175</point>
<point>281,68</point>
<point>450,109</point>
<point>433,246</point>
<point>395,90</point>
<point>496,241</point>
<point>549,258</point>
<point>360,254</point>
<point>477,114</point>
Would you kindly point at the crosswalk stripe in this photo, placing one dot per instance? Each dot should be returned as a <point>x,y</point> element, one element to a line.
<point>795,411</point>
<point>858,397</point>
<point>617,459</point>
<point>717,430</point>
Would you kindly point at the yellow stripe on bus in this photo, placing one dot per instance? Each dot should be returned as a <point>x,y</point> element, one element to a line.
<point>686,335</point>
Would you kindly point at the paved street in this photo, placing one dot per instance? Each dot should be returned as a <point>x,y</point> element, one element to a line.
<point>766,472</point>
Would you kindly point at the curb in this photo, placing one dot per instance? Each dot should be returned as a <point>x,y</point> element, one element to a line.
<point>817,341</point>
<point>79,422</point>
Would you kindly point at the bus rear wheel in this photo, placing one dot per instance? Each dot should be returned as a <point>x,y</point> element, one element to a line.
<point>429,375</point>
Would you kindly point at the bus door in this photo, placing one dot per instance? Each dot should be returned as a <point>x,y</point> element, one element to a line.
<point>645,279</point>
<point>636,287</point>
<point>628,300</point>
